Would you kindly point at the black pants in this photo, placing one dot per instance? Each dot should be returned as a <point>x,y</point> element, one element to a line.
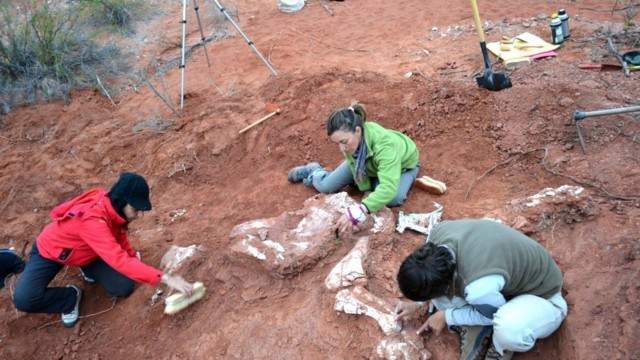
<point>10,263</point>
<point>33,295</point>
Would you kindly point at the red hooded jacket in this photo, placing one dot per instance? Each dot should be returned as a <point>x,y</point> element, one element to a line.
<point>88,227</point>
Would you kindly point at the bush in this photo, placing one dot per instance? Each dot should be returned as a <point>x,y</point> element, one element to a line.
<point>116,13</point>
<point>44,54</point>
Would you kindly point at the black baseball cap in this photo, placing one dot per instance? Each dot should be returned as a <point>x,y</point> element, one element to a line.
<point>133,189</point>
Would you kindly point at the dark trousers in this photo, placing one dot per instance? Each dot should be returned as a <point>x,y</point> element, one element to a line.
<point>33,295</point>
<point>10,263</point>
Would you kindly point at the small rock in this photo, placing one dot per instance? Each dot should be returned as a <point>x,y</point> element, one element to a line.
<point>566,102</point>
<point>434,29</point>
<point>75,347</point>
<point>596,310</point>
<point>526,24</point>
<point>408,75</point>
<point>590,84</point>
<point>568,147</point>
<point>542,16</point>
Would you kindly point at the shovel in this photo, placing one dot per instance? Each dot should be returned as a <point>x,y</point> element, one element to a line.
<point>488,80</point>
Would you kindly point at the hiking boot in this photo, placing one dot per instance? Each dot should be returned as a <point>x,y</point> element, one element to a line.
<point>71,318</point>
<point>474,340</point>
<point>302,172</point>
<point>493,354</point>
<point>86,278</point>
<point>12,264</point>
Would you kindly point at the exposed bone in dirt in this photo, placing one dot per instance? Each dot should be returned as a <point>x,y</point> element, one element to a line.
<point>177,256</point>
<point>359,301</point>
<point>422,223</point>
<point>349,271</point>
<point>296,240</point>
<point>404,346</point>
<point>534,213</point>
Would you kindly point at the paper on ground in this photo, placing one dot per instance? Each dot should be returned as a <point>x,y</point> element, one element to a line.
<point>539,46</point>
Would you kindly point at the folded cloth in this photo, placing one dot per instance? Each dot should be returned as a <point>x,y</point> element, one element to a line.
<point>522,46</point>
<point>544,55</point>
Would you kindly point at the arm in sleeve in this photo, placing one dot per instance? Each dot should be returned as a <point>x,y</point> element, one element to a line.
<point>389,172</point>
<point>98,236</point>
<point>483,297</point>
<point>126,245</point>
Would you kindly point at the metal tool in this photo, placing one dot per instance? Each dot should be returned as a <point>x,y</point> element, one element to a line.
<point>182,51</point>
<point>246,39</point>
<point>581,115</point>
<point>202,37</point>
<point>614,52</point>
<point>488,80</point>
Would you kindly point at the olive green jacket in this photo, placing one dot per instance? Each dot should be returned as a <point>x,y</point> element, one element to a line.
<point>485,247</point>
<point>389,153</point>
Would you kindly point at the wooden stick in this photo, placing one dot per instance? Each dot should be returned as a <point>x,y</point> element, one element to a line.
<point>155,91</point>
<point>327,8</point>
<point>259,121</point>
<point>614,51</point>
<point>105,91</point>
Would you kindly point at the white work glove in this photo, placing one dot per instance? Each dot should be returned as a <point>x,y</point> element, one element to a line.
<point>177,283</point>
<point>357,214</point>
<point>354,216</point>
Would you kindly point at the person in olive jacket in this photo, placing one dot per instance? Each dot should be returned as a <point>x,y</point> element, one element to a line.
<point>382,161</point>
<point>491,284</point>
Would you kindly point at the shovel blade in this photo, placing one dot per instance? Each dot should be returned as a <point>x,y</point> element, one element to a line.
<point>493,81</point>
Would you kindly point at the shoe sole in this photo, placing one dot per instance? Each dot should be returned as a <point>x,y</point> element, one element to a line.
<point>291,178</point>
<point>78,300</point>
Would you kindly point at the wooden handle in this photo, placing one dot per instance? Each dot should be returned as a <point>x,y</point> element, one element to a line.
<point>476,18</point>
<point>259,121</point>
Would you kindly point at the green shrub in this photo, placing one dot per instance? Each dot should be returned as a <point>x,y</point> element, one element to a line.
<point>44,54</point>
<point>119,14</point>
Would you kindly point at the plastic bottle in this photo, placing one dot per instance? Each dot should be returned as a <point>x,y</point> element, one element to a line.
<point>557,37</point>
<point>564,17</point>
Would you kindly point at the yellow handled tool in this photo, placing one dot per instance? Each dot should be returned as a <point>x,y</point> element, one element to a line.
<point>489,80</point>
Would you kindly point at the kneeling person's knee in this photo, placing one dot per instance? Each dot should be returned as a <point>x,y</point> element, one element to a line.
<point>398,200</point>
<point>510,334</point>
<point>26,301</point>
<point>122,289</point>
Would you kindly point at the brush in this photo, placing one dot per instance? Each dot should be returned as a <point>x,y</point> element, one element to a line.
<point>180,301</point>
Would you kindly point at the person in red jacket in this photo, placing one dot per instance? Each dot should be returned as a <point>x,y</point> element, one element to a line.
<point>90,231</point>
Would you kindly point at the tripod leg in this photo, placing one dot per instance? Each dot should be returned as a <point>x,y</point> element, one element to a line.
<point>581,138</point>
<point>249,42</point>
<point>184,39</point>
<point>204,44</point>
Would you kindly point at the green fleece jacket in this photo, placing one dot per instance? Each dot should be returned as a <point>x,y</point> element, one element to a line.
<point>389,153</point>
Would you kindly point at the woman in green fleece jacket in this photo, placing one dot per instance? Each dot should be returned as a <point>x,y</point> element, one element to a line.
<point>382,161</point>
